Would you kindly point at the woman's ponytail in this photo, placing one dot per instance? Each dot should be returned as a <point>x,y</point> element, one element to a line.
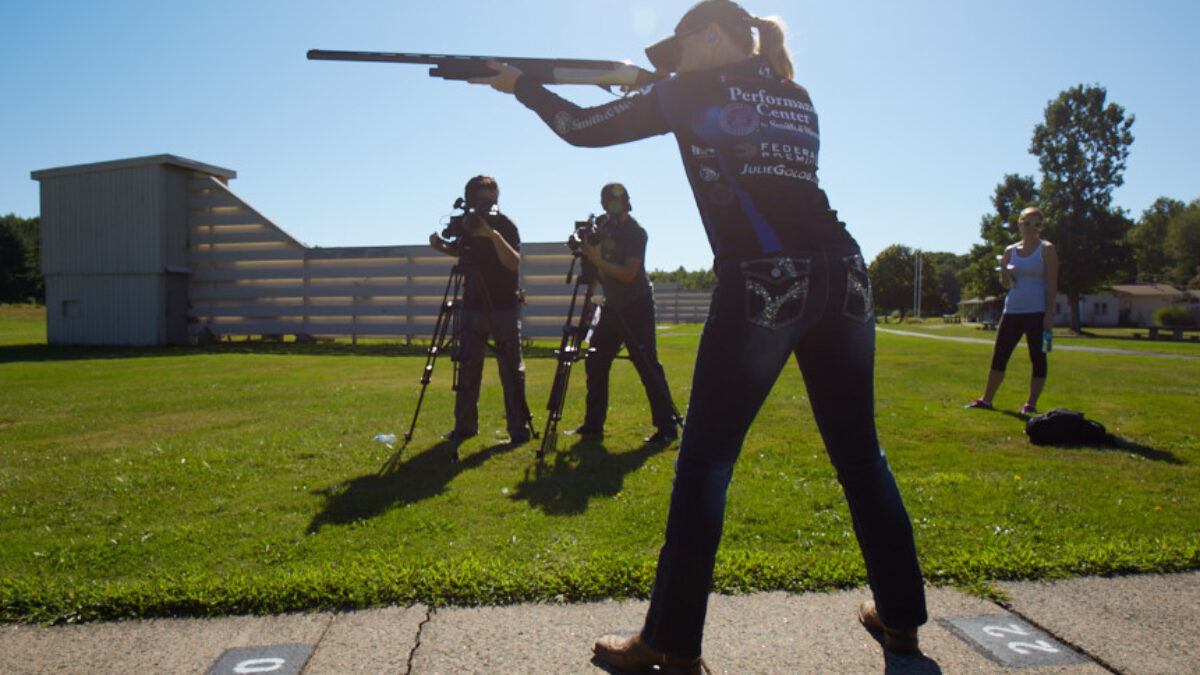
<point>771,44</point>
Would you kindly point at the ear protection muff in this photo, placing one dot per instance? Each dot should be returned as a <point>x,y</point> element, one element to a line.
<point>615,192</point>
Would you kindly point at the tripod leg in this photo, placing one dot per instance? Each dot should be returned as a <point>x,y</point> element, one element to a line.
<point>447,315</point>
<point>569,352</point>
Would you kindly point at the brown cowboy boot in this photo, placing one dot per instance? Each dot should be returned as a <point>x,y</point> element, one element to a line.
<point>630,653</point>
<point>899,640</point>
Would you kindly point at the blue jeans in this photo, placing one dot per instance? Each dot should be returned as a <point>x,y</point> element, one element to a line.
<point>817,305</point>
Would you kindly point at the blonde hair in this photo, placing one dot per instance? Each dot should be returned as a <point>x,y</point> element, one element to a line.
<point>737,23</point>
<point>771,43</point>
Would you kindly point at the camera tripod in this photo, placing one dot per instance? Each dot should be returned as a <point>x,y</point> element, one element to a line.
<point>450,321</point>
<point>568,352</point>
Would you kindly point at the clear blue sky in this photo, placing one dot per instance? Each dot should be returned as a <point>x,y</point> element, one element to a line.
<point>924,106</point>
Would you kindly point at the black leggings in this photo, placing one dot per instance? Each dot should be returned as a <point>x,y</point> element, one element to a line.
<point>1009,333</point>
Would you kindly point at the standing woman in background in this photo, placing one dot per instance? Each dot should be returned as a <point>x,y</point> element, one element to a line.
<point>791,281</point>
<point>1029,270</point>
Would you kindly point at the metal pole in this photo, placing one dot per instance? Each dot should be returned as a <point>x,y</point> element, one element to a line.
<point>917,271</point>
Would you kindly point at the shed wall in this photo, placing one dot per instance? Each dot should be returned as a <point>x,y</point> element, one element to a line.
<point>113,309</point>
<point>103,223</point>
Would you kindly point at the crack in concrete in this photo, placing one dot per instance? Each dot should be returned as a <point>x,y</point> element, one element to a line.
<point>412,654</point>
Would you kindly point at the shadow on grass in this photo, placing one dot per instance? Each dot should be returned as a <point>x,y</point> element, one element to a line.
<point>420,477</point>
<point>1115,443</point>
<point>42,352</point>
<point>567,481</point>
<point>1122,445</point>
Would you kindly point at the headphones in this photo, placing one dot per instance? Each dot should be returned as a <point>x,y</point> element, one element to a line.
<point>615,191</point>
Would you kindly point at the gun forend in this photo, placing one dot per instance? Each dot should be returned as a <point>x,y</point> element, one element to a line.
<point>547,71</point>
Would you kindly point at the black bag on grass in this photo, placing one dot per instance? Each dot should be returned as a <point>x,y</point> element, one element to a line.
<point>1065,427</point>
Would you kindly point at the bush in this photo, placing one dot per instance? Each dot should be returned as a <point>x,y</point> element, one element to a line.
<point>1173,315</point>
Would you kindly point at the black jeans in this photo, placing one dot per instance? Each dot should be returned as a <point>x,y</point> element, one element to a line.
<point>504,326</point>
<point>817,305</point>
<point>633,325</point>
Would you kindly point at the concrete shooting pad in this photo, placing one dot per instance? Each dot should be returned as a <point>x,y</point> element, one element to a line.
<point>1134,625</point>
<point>341,643</point>
<point>764,633</point>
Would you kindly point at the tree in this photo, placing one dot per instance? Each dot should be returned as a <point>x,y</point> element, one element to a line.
<point>1183,242</point>
<point>948,267</point>
<point>1148,239</point>
<point>979,277</point>
<point>893,274</point>
<point>20,260</point>
<point>1081,147</point>
<point>700,280</point>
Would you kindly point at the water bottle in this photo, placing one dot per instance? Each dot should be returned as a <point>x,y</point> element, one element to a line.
<point>1047,342</point>
<point>385,438</point>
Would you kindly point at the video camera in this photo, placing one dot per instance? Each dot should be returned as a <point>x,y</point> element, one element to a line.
<point>468,222</point>
<point>586,231</point>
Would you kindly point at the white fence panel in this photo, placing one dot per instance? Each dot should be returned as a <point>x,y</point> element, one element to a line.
<point>249,277</point>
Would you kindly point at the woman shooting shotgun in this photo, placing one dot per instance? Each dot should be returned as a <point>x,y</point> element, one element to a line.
<point>791,280</point>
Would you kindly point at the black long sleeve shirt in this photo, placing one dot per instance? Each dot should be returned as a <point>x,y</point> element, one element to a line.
<point>748,138</point>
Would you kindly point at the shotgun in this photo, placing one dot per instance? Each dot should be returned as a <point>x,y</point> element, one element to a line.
<point>607,74</point>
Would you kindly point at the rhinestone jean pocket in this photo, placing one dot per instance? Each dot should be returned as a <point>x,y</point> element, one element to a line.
<point>859,303</point>
<point>776,289</point>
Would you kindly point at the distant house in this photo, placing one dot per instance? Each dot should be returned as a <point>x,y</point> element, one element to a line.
<point>1139,302</point>
<point>1191,300</point>
<point>1122,305</point>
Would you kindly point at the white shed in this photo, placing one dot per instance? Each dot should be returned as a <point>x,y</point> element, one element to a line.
<point>114,245</point>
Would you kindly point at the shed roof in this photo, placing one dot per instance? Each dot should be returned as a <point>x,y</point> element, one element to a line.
<point>134,162</point>
<point>980,301</point>
<point>1146,290</point>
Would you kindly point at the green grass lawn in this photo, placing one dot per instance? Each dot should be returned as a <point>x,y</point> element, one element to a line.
<point>244,477</point>
<point>1102,338</point>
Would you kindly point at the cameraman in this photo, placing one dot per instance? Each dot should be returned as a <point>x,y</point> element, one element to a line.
<point>617,252</point>
<point>488,247</point>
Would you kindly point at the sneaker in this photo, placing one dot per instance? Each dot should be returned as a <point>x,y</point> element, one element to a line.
<point>518,438</point>
<point>631,654</point>
<point>980,403</point>
<point>587,431</point>
<point>662,436</point>
<point>1028,409</point>
<point>899,640</point>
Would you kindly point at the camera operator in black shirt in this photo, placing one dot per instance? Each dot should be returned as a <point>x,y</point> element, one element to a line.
<point>488,247</point>
<point>617,252</point>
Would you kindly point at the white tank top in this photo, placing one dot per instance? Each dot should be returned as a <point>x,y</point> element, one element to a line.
<point>1028,292</point>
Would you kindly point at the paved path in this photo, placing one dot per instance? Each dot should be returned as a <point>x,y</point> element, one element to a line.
<point>1135,625</point>
<point>1057,348</point>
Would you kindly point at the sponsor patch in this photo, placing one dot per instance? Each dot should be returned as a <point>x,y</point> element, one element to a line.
<point>739,119</point>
